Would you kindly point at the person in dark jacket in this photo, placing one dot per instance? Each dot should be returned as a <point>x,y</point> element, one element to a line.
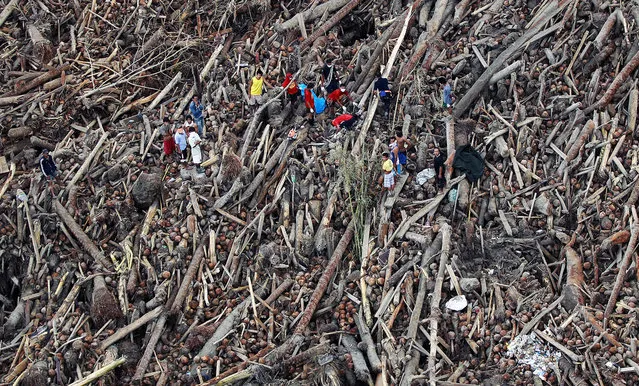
<point>49,168</point>
<point>382,89</point>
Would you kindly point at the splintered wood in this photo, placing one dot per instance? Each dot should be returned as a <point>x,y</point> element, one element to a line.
<point>279,260</point>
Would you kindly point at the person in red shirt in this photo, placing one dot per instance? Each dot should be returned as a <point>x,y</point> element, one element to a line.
<point>292,90</point>
<point>339,96</point>
<point>345,121</point>
<point>309,102</point>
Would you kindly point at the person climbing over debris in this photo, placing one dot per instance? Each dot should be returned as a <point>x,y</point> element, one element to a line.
<point>345,121</point>
<point>440,169</point>
<point>382,88</point>
<point>340,97</point>
<point>180,141</point>
<point>256,86</point>
<point>196,152</point>
<point>388,175</point>
<point>197,109</point>
<point>292,90</point>
<point>330,77</point>
<point>402,145</point>
<point>309,101</point>
<point>49,169</point>
<point>448,98</point>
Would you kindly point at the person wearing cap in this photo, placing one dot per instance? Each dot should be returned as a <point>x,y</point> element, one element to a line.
<point>197,109</point>
<point>292,90</point>
<point>180,142</point>
<point>388,176</point>
<point>196,152</point>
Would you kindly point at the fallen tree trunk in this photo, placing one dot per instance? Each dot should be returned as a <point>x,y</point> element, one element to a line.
<point>329,23</point>
<point>435,312</point>
<point>620,79</point>
<point>311,14</point>
<point>79,234</point>
<point>532,34</point>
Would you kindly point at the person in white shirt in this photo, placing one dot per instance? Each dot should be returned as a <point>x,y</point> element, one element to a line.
<point>196,152</point>
<point>189,123</point>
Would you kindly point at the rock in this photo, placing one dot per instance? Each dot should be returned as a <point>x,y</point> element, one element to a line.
<point>146,189</point>
<point>115,173</point>
<point>469,284</point>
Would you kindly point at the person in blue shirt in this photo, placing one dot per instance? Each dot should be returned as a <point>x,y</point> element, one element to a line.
<point>448,98</point>
<point>196,109</point>
<point>180,141</point>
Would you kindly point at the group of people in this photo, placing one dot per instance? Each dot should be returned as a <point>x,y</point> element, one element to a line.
<point>179,139</point>
<point>394,160</point>
<point>331,97</point>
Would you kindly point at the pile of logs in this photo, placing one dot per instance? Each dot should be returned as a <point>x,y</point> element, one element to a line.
<point>284,261</point>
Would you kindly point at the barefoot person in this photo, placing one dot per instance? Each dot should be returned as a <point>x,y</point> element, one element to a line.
<point>389,176</point>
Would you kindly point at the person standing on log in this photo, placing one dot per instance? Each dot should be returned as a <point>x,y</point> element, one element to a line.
<point>402,145</point>
<point>388,175</point>
<point>180,141</point>
<point>49,169</point>
<point>256,86</point>
<point>440,169</point>
<point>197,112</point>
<point>292,90</point>
<point>196,151</point>
<point>330,77</point>
<point>448,98</point>
<point>382,88</point>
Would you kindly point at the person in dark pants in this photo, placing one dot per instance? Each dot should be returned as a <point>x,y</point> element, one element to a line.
<point>385,94</point>
<point>49,169</point>
<point>330,77</point>
<point>345,121</point>
<point>440,169</point>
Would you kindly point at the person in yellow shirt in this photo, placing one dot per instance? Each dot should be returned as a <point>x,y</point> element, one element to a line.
<point>256,86</point>
<point>389,176</point>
